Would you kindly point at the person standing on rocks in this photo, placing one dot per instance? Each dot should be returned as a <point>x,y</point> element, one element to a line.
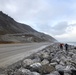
<point>61,46</point>
<point>66,47</point>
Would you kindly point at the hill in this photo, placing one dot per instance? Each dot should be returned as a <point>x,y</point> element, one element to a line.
<point>12,31</point>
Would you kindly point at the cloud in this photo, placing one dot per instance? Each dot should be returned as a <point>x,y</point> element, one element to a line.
<point>57,29</point>
<point>39,11</point>
<point>54,17</point>
<point>60,28</point>
<point>69,35</point>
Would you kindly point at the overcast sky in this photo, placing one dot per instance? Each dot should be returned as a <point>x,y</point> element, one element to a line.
<point>54,17</point>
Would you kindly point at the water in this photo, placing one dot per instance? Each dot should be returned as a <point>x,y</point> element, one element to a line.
<point>72,43</point>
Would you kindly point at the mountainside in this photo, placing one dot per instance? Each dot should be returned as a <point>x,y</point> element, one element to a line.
<point>12,31</point>
<point>8,25</point>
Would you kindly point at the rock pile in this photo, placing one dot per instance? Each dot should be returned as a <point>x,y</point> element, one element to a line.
<point>49,61</point>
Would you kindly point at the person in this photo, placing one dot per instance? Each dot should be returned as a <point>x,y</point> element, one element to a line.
<point>61,46</point>
<point>66,46</point>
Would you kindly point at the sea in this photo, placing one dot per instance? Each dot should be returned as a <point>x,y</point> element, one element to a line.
<point>72,43</point>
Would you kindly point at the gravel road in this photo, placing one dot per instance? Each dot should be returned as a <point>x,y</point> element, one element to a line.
<point>11,53</point>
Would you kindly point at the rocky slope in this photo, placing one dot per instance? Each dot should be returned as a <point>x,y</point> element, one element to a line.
<point>12,31</point>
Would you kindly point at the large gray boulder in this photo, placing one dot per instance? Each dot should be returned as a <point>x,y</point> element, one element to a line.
<point>44,62</point>
<point>60,67</point>
<point>23,71</point>
<point>44,55</point>
<point>27,62</point>
<point>35,67</point>
<point>74,57</point>
<point>46,69</point>
<point>56,59</point>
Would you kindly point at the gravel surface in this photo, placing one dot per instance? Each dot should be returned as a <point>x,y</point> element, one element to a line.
<point>11,53</point>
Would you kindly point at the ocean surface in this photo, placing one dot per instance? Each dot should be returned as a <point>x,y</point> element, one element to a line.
<point>72,43</point>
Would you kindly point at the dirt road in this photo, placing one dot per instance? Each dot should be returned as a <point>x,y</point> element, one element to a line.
<point>11,53</point>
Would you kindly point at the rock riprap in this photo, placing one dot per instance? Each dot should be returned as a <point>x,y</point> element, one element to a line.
<point>49,61</point>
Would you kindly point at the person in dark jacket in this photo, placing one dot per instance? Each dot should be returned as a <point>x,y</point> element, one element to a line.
<point>66,47</point>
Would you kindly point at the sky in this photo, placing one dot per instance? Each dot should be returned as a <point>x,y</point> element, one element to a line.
<point>54,17</point>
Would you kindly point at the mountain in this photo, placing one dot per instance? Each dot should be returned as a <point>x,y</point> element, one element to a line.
<point>12,31</point>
